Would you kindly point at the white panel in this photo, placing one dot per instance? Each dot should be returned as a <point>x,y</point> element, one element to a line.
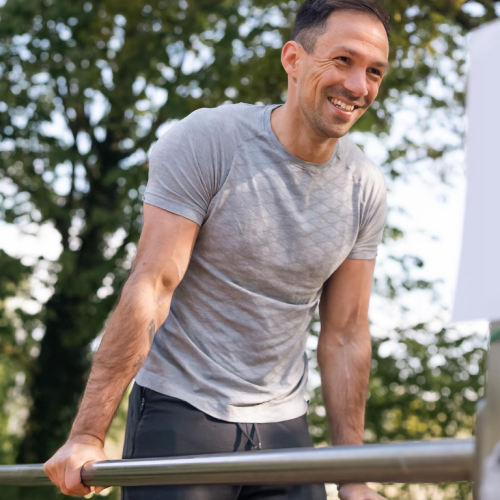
<point>478,287</point>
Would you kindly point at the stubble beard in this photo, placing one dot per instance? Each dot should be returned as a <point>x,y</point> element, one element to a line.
<point>322,126</point>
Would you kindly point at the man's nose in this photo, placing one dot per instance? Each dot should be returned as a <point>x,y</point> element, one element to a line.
<point>355,82</point>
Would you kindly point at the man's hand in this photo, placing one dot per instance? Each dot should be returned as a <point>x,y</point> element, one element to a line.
<point>358,492</point>
<point>64,468</point>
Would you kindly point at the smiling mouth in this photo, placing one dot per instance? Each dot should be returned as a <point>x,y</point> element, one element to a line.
<point>349,108</point>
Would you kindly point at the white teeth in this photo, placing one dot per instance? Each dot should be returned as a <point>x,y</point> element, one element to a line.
<point>340,104</point>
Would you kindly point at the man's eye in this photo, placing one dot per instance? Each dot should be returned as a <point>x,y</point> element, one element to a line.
<point>375,71</point>
<point>343,58</point>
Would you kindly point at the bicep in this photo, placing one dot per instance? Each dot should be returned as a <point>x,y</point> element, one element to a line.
<point>346,295</point>
<point>165,247</point>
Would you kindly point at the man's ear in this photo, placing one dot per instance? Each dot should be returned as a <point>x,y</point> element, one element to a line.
<point>290,56</point>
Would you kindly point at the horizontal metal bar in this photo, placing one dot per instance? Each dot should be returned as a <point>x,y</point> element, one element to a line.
<point>406,462</point>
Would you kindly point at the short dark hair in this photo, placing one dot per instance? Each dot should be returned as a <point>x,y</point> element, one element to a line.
<point>312,16</point>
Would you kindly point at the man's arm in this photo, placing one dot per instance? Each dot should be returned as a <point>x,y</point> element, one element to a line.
<point>344,357</point>
<point>163,255</point>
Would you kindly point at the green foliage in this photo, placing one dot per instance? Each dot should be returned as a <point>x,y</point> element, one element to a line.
<point>110,73</point>
<point>15,349</point>
<point>424,384</point>
<point>433,389</point>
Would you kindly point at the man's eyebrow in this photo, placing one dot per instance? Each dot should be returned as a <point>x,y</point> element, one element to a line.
<point>354,53</point>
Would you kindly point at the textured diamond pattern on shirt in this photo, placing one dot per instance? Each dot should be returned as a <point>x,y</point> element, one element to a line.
<point>273,229</point>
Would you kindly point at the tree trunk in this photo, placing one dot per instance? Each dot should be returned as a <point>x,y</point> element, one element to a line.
<point>57,380</point>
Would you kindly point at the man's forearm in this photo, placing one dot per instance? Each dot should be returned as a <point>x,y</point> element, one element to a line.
<point>344,360</point>
<point>123,350</point>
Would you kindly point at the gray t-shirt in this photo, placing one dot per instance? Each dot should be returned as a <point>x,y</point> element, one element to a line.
<point>273,229</point>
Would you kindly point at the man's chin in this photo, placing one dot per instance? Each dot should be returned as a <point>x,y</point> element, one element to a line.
<point>336,132</point>
<point>338,127</point>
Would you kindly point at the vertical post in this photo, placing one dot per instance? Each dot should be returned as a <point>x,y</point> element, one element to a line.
<point>488,414</point>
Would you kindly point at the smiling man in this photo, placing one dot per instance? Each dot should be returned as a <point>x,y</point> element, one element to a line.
<point>253,215</point>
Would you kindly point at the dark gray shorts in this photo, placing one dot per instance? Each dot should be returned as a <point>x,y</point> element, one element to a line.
<point>161,426</point>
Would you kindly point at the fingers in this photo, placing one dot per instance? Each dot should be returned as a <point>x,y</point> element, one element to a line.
<point>98,489</point>
<point>95,489</point>
<point>358,492</point>
<point>64,468</point>
<point>51,470</point>
<point>73,480</point>
<point>48,471</point>
<point>66,477</point>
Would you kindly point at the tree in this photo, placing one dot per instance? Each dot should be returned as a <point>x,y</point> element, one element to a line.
<point>108,75</point>
<point>15,347</point>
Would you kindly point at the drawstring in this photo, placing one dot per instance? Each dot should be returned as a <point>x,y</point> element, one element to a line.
<point>248,436</point>
<point>259,442</point>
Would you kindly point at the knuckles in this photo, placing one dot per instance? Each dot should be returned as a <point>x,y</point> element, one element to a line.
<point>64,468</point>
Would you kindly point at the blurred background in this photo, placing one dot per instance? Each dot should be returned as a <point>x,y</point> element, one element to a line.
<point>87,87</point>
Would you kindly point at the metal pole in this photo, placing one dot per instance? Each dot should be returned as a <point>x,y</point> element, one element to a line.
<point>405,462</point>
<point>480,416</point>
<point>488,420</point>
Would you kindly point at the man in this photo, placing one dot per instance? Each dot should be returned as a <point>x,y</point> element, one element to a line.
<point>252,215</point>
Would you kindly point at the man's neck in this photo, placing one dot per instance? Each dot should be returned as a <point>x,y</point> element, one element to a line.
<point>298,138</point>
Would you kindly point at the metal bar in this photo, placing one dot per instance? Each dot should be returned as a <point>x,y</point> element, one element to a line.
<point>487,421</point>
<point>492,421</point>
<point>478,454</point>
<point>405,462</point>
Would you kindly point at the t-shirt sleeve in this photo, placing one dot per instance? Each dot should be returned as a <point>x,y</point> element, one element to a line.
<point>181,169</point>
<point>373,219</point>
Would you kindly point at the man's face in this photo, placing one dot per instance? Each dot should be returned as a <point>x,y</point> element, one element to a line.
<point>346,69</point>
